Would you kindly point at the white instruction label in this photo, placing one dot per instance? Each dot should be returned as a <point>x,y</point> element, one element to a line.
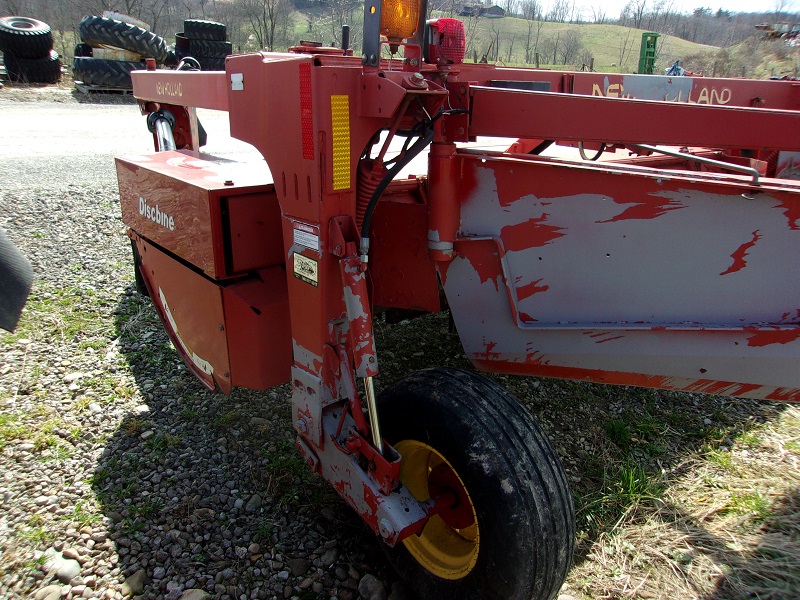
<point>306,236</point>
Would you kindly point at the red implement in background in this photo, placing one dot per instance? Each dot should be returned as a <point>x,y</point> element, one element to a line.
<point>672,261</point>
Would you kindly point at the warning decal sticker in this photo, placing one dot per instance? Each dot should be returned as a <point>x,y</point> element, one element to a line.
<point>305,269</point>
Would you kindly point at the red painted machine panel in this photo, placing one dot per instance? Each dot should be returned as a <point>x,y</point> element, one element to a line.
<point>190,307</point>
<point>259,334</point>
<point>254,223</point>
<point>175,201</point>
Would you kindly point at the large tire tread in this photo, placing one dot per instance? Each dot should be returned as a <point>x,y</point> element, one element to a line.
<point>25,37</point>
<point>210,49</point>
<point>104,73</point>
<point>102,31</point>
<point>46,69</point>
<point>198,29</point>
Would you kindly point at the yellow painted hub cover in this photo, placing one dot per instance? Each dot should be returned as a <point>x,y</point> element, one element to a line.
<point>445,551</point>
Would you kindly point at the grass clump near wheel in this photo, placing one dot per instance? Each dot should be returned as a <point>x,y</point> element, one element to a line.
<point>507,530</point>
<point>102,31</point>
<point>25,37</point>
<point>46,69</point>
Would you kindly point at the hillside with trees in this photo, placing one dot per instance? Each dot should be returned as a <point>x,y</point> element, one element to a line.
<point>719,43</point>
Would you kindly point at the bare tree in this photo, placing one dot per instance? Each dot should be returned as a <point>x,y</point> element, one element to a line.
<point>625,47</point>
<point>511,7</point>
<point>269,20</point>
<point>345,12</point>
<point>470,27</point>
<point>510,48</point>
<point>532,13</point>
<point>598,13</point>
<point>560,11</point>
<point>571,46</point>
<point>550,47</point>
<point>494,51</point>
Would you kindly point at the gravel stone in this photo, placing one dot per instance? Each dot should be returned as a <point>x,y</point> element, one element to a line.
<point>134,585</point>
<point>371,588</point>
<point>51,592</point>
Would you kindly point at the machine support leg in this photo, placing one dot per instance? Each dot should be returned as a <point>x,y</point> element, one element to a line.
<point>377,441</point>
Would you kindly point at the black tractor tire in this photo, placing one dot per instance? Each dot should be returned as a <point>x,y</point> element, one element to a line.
<point>211,63</point>
<point>518,540</point>
<point>172,59</point>
<point>25,37</point>
<point>196,29</point>
<point>104,73</point>
<point>46,69</point>
<point>138,278</point>
<point>101,31</point>
<point>82,50</point>
<point>210,49</point>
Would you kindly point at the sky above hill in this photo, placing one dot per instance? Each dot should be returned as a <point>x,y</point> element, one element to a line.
<point>612,8</point>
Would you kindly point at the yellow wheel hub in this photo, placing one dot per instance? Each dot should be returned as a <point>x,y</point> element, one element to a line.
<point>448,545</point>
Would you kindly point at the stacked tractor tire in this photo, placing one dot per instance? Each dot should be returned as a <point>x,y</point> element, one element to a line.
<point>111,48</point>
<point>28,54</point>
<point>205,41</point>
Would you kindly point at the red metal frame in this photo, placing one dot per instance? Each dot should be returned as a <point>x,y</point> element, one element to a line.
<point>645,271</point>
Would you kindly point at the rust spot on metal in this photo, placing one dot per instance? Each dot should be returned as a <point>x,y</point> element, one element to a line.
<point>739,255</point>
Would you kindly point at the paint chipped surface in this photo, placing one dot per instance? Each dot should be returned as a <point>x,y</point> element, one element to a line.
<point>306,358</point>
<point>740,254</point>
<point>629,291</point>
<point>774,336</point>
<point>507,487</point>
<point>649,207</point>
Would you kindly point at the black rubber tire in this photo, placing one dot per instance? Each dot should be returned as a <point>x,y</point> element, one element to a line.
<point>46,69</point>
<point>82,50</point>
<point>211,63</point>
<point>172,59</point>
<point>210,49</point>
<point>101,31</point>
<point>16,279</point>
<point>141,286</point>
<point>104,73</point>
<point>25,37</point>
<point>197,29</point>
<point>518,488</point>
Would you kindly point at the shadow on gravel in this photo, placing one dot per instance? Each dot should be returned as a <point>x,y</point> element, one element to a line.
<point>207,491</point>
<point>103,97</point>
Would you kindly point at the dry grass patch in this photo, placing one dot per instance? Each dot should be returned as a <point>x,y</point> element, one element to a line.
<point>725,525</point>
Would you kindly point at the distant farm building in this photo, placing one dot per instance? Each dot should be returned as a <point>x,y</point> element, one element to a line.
<point>476,10</point>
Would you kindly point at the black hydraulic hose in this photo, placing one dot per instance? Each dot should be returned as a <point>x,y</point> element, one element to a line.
<point>415,149</point>
<point>425,139</point>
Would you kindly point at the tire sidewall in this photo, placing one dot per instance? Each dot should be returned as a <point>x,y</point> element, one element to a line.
<point>480,465</point>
